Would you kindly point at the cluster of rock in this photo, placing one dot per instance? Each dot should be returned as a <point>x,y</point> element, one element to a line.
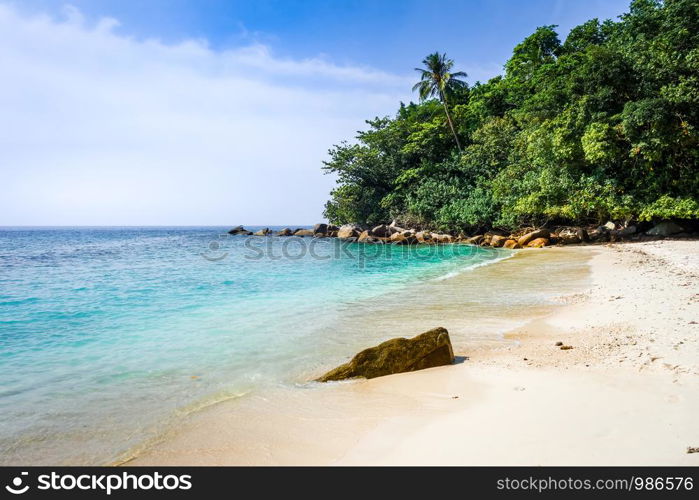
<point>382,234</point>
<point>528,237</point>
<point>240,230</point>
<point>609,232</point>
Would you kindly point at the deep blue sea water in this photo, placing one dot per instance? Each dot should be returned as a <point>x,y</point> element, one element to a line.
<point>107,334</point>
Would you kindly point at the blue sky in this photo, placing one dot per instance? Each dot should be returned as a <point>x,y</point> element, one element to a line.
<point>392,35</point>
<point>219,112</point>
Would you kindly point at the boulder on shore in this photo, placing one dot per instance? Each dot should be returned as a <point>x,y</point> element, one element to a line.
<point>262,232</point>
<point>348,231</point>
<point>403,238</point>
<point>511,244</point>
<point>569,235</point>
<point>427,350</point>
<point>497,240</point>
<point>665,229</point>
<point>627,231</point>
<point>304,232</point>
<point>382,231</point>
<point>623,233</point>
<point>539,233</point>
<point>600,233</point>
<point>285,232</point>
<point>475,240</point>
<point>442,238</point>
<point>538,243</point>
<point>424,237</point>
<point>364,236</point>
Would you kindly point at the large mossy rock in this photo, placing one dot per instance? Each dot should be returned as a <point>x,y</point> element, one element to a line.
<point>429,349</point>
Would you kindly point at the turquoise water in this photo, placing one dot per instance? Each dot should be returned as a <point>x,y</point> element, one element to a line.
<point>109,334</point>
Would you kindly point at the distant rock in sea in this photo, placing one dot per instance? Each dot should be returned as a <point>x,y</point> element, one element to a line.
<point>239,230</point>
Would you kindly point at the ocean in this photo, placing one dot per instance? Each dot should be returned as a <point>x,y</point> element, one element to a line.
<point>109,335</point>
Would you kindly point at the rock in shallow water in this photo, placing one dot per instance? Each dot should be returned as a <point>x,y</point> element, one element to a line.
<point>429,349</point>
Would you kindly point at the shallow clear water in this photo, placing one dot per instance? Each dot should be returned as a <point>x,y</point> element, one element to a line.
<point>108,334</point>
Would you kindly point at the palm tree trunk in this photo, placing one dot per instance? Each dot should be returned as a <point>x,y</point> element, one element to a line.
<point>451,125</point>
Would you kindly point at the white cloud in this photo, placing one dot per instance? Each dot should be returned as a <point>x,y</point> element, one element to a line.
<point>99,128</point>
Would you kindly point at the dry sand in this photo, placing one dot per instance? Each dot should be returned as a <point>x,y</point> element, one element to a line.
<point>626,393</point>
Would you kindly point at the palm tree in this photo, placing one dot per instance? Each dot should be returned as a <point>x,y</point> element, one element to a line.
<point>436,80</point>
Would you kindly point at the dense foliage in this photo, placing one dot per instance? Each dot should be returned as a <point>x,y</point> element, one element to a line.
<point>603,125</point>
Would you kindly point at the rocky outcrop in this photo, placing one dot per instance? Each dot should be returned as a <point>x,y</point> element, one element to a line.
<point>512,244</point>
<point>571,235</point>
<point>600,233</point>
<point>665,229</point>
<point>538,243</point>
<point>285,232</point>
<point>424,237</point>
<point>365,237</point>
<point>403,238</point>
<point>622,234</point>
<point>497,241</point>
<point>521,238</point>
<point>321,230</point>
<point>442,238</point>
<point>427,350</point>
<point>348,231</point>
<point>394,225</point>
<point>263,232</point>
<point>526,238</point>
<point>239,230</point>
<point>627,231</point>
<point>382,231</point>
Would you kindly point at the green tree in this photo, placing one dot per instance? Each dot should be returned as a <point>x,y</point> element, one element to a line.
<point>437,80</point>
<point>604,125</point>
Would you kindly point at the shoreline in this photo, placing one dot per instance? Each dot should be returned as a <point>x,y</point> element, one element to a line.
<point>630,378</point>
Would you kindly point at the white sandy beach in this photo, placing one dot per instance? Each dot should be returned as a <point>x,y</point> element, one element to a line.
<point>626,393</point>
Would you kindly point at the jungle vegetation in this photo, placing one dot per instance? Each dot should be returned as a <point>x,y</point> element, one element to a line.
<point>603,125</point>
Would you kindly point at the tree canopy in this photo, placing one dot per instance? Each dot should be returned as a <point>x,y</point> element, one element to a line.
<point>603,125</point>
